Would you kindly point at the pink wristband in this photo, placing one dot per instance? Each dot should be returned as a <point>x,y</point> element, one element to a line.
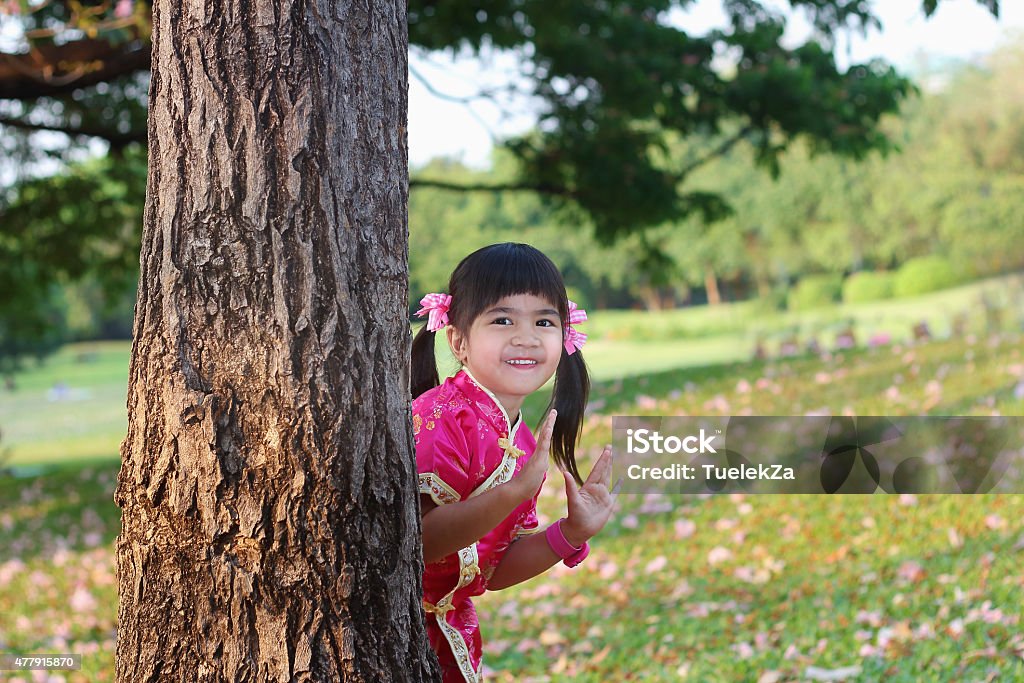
<point>570,554</point>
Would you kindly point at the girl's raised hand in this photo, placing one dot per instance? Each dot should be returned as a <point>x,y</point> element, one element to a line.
<point>590,506</point>
<point>531,477</point>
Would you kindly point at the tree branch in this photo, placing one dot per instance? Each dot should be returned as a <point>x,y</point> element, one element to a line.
<point>723,148</point>
<point>555,191</point>
<point>550,190</point>
<point>113,137</point>
<point>50,70</point>
<point>467,99</point>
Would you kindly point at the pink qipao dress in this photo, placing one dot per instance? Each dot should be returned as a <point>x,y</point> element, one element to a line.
<point>465,445</point>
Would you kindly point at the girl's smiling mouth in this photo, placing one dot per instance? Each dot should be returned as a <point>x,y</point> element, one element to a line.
<point>521,362</point>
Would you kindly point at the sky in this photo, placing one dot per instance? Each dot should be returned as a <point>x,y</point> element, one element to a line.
<point>960,29</point>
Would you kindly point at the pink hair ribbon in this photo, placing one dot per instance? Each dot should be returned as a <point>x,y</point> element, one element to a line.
<point>574,339</point>
<point>437,306</point>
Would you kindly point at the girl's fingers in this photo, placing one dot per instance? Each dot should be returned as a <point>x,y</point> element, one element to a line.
<point>602,472</point>
<point>570,481</point>
<point>606,476</point>
<point>572,491</point>
<point>547,430</point>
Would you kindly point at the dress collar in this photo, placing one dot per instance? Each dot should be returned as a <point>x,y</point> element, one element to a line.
<point>475,388</point>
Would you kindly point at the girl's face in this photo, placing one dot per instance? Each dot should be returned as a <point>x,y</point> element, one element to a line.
<point>512,348</point>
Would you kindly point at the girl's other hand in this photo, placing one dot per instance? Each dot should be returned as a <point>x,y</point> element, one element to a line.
<point>531,477</point>
<point>590,506</point>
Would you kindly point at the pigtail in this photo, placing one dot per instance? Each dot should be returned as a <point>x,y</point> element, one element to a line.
<point>424,363</point>
<point>569,398</point>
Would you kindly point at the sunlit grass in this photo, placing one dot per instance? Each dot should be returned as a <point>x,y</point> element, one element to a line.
<point>40,424</point>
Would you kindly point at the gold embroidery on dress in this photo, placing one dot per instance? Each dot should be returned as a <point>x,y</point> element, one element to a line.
<point>520,531</point>
<point>505,469</point>
<point>441,492</point>
<point>417,422</point>
<point>489,409</point>
<point>468,557</point>
<point>469,563</point>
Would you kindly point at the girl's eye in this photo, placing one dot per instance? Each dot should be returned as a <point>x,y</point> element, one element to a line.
<point>502,321</point>
<point>546,323</point>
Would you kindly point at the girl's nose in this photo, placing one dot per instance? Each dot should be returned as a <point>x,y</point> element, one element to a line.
<point>525,339</point>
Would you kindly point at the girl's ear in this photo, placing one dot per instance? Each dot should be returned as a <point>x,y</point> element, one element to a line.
<point>457,343</point>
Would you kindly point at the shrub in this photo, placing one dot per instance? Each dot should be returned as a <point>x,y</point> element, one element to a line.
<point>868,286</point>
<point>774,301</point>
<point>924,274</point>
<point>815,291</point>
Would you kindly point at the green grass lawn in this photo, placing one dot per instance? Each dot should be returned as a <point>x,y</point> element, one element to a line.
<point>749,320</point>
<point>726,588</point>
<point>39,426</point>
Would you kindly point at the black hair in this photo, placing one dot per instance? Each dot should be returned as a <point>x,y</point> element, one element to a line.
<point>477,283</point>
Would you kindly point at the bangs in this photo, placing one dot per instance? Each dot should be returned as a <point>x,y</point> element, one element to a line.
<point>494,272</point>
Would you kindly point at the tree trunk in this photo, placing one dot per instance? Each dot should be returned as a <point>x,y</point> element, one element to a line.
<point>711,285</point>
<point>651,298</point>
<point>270,525</point>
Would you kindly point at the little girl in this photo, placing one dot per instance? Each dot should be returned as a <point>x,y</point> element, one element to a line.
<point>510,326</point>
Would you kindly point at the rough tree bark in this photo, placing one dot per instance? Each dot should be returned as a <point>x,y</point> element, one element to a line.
<point>270,526</point>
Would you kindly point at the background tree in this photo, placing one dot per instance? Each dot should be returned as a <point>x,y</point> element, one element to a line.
<point>270,529</point>
<point>617,82</point>
<point>822,214</point>
<point>614,79</point>
<point>82,224</point>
